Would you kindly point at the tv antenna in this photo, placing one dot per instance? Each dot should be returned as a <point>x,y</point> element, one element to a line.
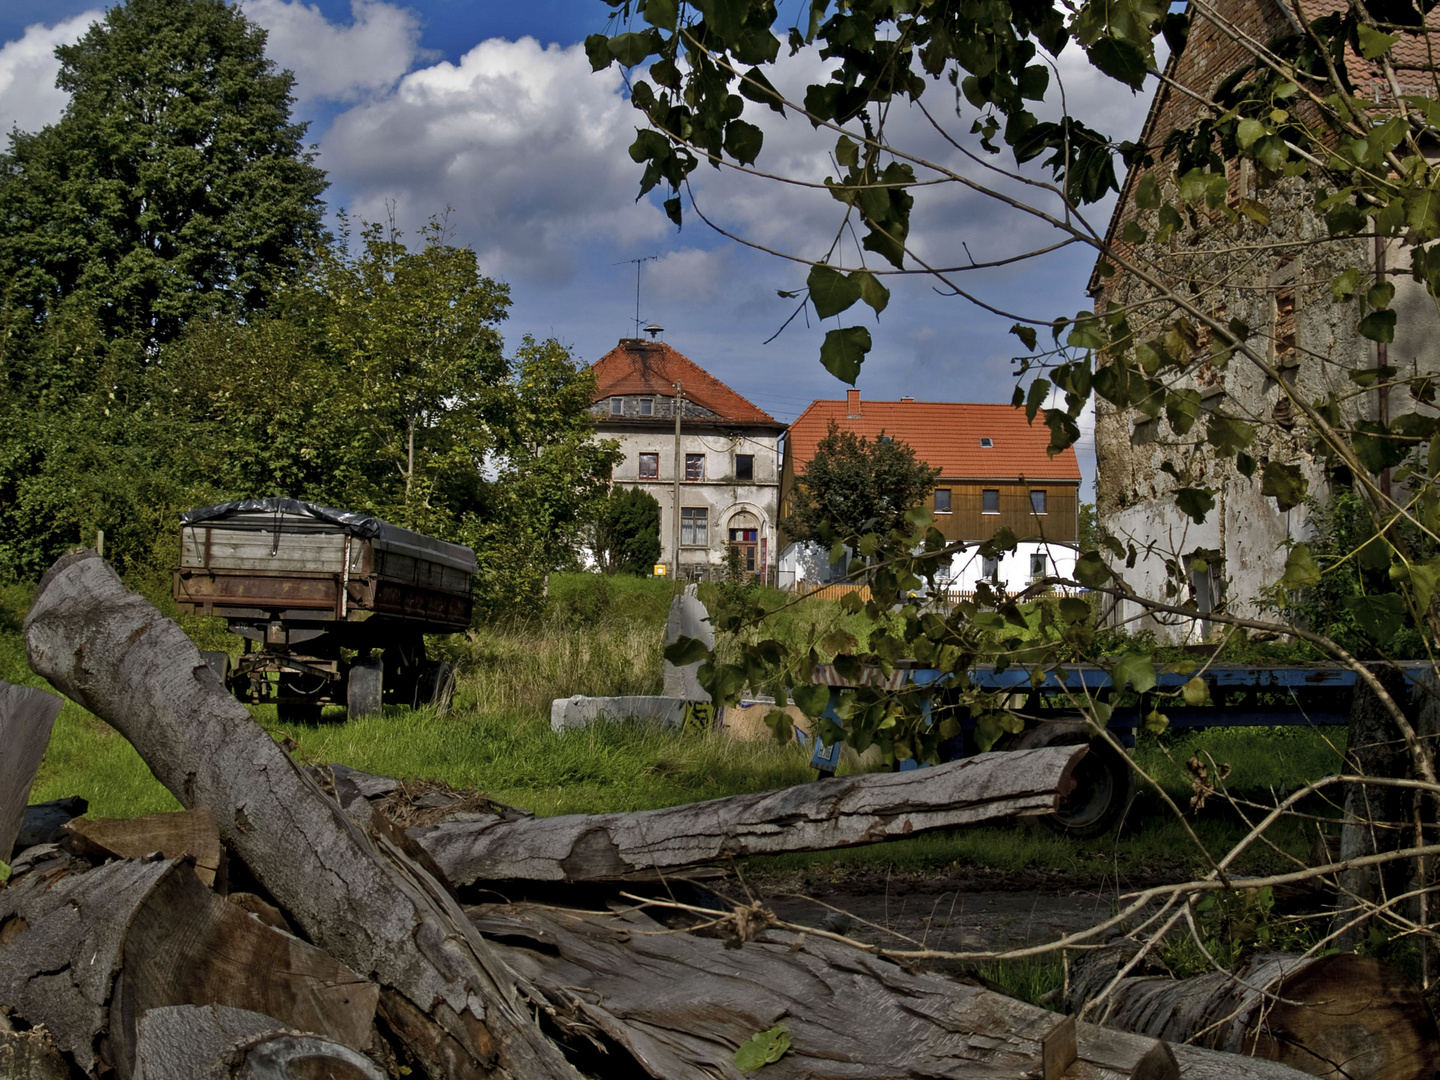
<point>639,263</point>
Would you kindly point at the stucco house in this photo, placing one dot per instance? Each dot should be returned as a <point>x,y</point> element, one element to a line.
<point>726,455</point>
<point>1276,279</point>
<point>995,470</point>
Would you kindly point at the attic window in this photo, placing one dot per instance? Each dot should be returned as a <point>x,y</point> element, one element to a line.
<point>887,438</point>
<point>617,406</point>
<point>986,443</point>
<point>647,406</point>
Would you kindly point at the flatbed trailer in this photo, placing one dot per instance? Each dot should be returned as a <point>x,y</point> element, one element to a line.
<point>333,606</point>
<point>1050,701</point>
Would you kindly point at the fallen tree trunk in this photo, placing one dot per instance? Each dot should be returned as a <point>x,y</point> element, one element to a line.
<point>679,1004</point>
<point>1338,1015</point>
<point>188,1042</point>
<point>826,814</point>
<point>449,1002</point>
<point>173,835</point>
<point>26,716</point>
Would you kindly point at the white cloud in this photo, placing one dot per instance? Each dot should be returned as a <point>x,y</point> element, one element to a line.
<point>337,61</point>
<point>28,97</point>
<point>524,142</point>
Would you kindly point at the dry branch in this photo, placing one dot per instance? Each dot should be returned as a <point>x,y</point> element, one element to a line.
<point>455,1008</point>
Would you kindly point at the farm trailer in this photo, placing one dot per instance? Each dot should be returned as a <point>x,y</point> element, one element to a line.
<point>1238,695</point>
<point>332,606</point>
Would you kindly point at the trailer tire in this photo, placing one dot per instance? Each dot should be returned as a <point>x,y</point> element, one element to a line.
<point>365,688</point>
<point>1104,780</point>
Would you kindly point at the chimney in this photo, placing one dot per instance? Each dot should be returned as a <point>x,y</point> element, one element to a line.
<point>852,403</point>
<point>909,399</point>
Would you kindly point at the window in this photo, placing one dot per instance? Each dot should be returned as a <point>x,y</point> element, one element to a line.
<point>694,526</point>
<point>617,406</point>
<point>694,466</point>
<point>1038,568</point>
<point>990,569</point>
<point>990,501</point>
<point>744,466</point>
<point>986,443</point>
<point>744,541</point>
<point>942,500</point>
<point>647,406</point>
<point>887,438</point>
<point>649,466</point>
<point>1037,502</point>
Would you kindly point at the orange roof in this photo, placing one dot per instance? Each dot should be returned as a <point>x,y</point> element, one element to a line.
<point>944,434</point>
<point>636,366</point>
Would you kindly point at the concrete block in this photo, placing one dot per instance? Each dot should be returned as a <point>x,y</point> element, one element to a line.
<point>579,712</point>
<point>688,618</point>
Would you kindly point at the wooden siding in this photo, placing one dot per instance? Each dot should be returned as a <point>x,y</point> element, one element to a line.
<point>966,521</point>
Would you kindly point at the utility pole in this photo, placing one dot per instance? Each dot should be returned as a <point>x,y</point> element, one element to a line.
<point>679,464</point>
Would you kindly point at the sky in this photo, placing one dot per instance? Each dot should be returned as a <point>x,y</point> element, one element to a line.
<point>486,112</point>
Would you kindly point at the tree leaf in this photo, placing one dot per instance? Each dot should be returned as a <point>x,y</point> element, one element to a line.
<point>631,49</point>
<point>1195,691</point>
<point>1373,43</point>
<point>831,291</point>
<point>812,698</point>
<point>1026,334</point>
<point>686,650</point>
<point>743,141</point>
<point>1380,616</point>
<point>1284,483</point>
<point>662,13</point>
<point>871,291</point>
<point>1120,60</point>
<point>1134,668</point>
<point>1147,192</point>
<point>1378,326</point>
<point>1301,569</point>
<point>1247,132</point>
<point>763,1048</point>
<point>1091,571</point>
<point>1195,503</point>
<point>843,351</point>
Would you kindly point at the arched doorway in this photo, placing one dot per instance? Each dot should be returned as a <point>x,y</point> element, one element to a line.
<point>743,535</point>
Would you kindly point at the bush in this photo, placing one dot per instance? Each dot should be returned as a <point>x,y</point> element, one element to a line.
<point>627,532</point>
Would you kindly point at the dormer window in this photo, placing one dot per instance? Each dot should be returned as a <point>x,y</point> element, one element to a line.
<point>647,406</point>
<point>986,443</point>
<point>617,406</point>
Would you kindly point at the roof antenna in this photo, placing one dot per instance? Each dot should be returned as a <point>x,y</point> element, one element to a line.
<point>640,262</point>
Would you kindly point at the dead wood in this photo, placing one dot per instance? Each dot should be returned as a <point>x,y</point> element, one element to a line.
<point>680,1005</point>
<point>187,1042</point>
<point>457,1010</point>
<point>44,823</point>
<point>61,940</point>
<point>31,1055</point>
<point>188,946</point>
<point>826,814</point>
<point>26,717</point>
<point>1340,1015</point>
<point>175,835</point>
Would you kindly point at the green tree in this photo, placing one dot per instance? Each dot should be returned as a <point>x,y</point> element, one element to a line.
<point>855,485</point>
<point>174,184</point>
<point>627,532</point>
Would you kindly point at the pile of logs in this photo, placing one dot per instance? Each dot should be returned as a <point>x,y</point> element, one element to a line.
<point>294,923</point>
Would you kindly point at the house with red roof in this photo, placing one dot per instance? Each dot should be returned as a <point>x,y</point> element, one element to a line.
<point>995,471</point>
<point>723,464</point>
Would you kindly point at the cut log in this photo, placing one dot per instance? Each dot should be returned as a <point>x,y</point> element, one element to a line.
<point>680,1005</point>
<point>1336,1016</point>
<point>26,717</point>
<point>31,1055</point>
<point>189,1042</point>
<point>62,936</point>
<point>44,823</point>
<point>452,1004</point>
<point>188,946</point>
<point>174,835</point>
<point>808,817</point>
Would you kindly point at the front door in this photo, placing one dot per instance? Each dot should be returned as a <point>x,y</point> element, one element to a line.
<point>745,541</point>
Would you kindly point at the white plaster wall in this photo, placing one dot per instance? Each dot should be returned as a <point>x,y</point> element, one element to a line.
<point>1013,572</point>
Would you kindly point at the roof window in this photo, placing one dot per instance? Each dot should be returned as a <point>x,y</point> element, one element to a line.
<point>986,443</point>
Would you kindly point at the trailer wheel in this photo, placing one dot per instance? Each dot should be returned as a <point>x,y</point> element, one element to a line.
<point>1104,780</point>
<point>365,688</point>
<point>435,687</point>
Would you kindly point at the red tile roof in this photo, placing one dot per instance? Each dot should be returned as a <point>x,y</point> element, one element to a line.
<point>636,366</point>
<point>944,434</point>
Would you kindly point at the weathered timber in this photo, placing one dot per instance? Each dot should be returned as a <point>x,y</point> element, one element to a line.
<point>62,937</point>
<point>838,812</point>
<point>457,1009</point>
<point>188,946</point>
<point>680,1005</point>
<point>175,835</point>
<point>31,1055</point>
<point>1338,1015</point>
<point>216,1042</point>
<point>26,716</point>
<point>44,823</point>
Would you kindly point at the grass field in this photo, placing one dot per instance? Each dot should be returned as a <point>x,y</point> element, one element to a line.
<point>603,637</point>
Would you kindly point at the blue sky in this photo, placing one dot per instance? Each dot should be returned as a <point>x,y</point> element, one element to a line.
<point>489,108</point>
